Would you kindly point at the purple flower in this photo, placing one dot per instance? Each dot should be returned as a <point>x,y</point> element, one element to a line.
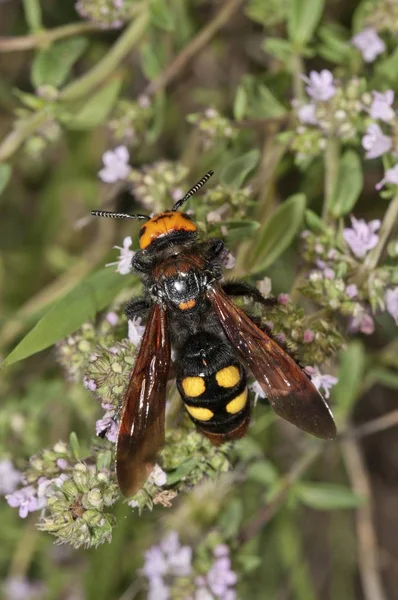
<point>221,577</point>
<point>369,44</point>
<point>308,336</point>
<point>321,382</point>
<point>158,590</point>
<point>9,477</point>
<point>390,176</point>
<point>228,260</point>
<point>123,264</point>
<point>320,86</point>
<point>351,290</point>
<point>26,499</point>
<point>381,106</point>
<point>361,322</point>
<point>178,557</point>
<point>155,563</point>
<point>136,331</point>
<point>375,142</point>
<point>116,165</point>
<point>112,318</point>
<point>89,384</point>
<point>361,237</point>
<point>108,425</point>
<point>20,588</point>
<point>283,299</point>
<point>306,114</point>
<point>221,550</point>
<point>392,303</point>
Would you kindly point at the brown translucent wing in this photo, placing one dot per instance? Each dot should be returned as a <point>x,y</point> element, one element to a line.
<point>141,432</point>
<point>290,392</point>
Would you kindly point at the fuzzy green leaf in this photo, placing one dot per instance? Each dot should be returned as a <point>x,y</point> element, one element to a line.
<point>97,108</point>
<point>66,316</point>
<point>278,232</point>
<point>263,472</point>
<point>328,496</point>
<point>350,378</point>
<point>162,15</point>
<point>240,104</point>
<point>348,186</point>
<point>52,65</point>
<point>304,16</point>
<point>234,174</point>
<point>5,175</point>
<point>238,230</point>
<point>280,48</point>
<point>314,222</point>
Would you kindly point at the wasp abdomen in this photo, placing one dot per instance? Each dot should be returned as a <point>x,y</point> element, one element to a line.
<point>213,386</point>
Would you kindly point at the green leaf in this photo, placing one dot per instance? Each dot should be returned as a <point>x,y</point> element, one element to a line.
<point>384,376</point>
<point>238,230</point>
<point>328,496</point>
<point>314,222</point>
<point>350,377</point>
<point>231,518</point>
<point>271,107</point>
<point>334,45</point>
<point>52,65</point>
<point>66,316</point>
<point>184,469</point>
<point>263,472</point>
<point>278,232</point>
<point>150,62</point>
<point>234,174</point>
<point>240,103</point>
<point>161,15</point>
<point>5,175</point>
<point>75,445</point>
<point>349,185</point>
<point>280,48</point>
<point>304,16</point>
<point>97,108</point>
<point>387,68</point>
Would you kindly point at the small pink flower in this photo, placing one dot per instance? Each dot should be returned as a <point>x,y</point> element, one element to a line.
<point>307,114</point>
<point>392,303</point>
<point>112,318</point>
<point>361,322</point>
<point>320,86</point>
<point>108,425</point>
<point>375,142</point>
<point>381,106</point>
<point>362,236</point>
<point>136,331</point>
<point>26,500</point>
<point>308,336</point>
<point>9,477</point>
<point>321,382</point>
<point>351,290</point>
<point>116,165</point>
<point>123,264</point>
<point>283,299</point>
<point>390,176</point>
<point>369,44</point>
<point>89,384</point>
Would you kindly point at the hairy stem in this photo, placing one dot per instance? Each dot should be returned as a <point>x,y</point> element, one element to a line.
<point>43,37</point>
<point>331,174</point>
<point>16,138</point>
<point>106,66</point>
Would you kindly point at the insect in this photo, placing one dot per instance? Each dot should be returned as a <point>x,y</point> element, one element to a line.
<point>186,305</point>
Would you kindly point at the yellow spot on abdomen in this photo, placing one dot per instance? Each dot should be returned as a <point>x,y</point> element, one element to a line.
<point>187,305</point>
<point>163,224</point>
<point>193,386</point>
<point>199,413</point>
<point>228,377</point>
<point>238,403</point>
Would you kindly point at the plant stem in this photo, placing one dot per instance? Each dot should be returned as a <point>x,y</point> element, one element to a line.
<point>109,62</point>
<point>331,174</point>
<point>45,37</point>
<point>193,47</point>
<point>390,219</point>
<point>32,10</point>
<point>298,83</point>
<point>17,137</point>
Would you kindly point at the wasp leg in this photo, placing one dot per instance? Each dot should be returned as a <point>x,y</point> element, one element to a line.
<point>241,288</point>
<point>137,307</point>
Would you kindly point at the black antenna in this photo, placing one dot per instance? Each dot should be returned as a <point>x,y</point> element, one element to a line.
<point>115,215</point>
<point>193,190</point>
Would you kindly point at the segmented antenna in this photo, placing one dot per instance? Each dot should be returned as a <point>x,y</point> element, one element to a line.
<point>115,215</point>
<point>193,190</point>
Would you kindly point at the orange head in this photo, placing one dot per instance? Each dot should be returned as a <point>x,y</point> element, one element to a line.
<point>164,224</point>
<point>167,224</point>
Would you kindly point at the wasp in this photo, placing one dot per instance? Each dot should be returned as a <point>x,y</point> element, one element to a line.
<point>187,305</point>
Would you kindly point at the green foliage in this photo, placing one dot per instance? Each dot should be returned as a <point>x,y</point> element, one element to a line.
<point>5,175</point>
<point>97,108</point>
<point>53,65</point>
<point>278,232</point>
<point>304,16</point>
<point>234,174</point>
<point>327,496</point>
<point>63,318</point>
<point>349,185</point>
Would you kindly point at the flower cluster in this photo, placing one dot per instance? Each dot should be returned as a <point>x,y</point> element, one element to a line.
<point>382,16</point>
<point>212,127</point>
<point>159,185</point>
<point>109,14</point>
<point>177,571</point>
<point>132,121</point>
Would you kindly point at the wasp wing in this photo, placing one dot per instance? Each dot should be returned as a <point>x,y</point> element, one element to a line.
<point>290,392</point>
<point>141,432</point>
